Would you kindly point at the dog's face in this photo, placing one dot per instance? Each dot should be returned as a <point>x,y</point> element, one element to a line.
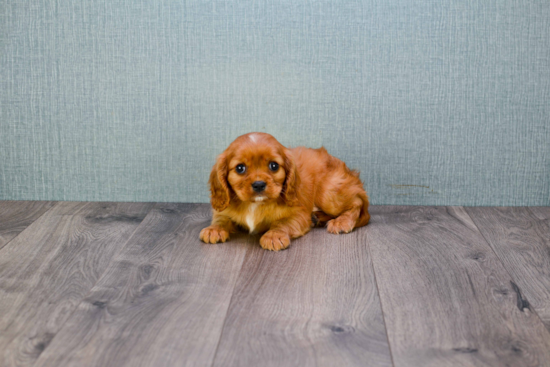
<point>256,173</point>
<point>254,168</point>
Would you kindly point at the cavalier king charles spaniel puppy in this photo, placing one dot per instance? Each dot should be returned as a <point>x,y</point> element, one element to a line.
<point>260,186</point>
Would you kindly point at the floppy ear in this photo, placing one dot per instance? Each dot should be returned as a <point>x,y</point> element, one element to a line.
<point>289,186</point>
<point>219,187</point>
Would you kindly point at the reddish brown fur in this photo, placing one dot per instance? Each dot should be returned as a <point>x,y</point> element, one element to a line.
<point>308,181</point>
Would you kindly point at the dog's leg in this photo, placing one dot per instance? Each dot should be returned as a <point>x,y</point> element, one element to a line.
<point>356,216</point>
<point>219,230</point>
<point>321,218</point>
<point>281,231</point>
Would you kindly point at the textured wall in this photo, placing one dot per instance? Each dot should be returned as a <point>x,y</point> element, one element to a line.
<point>436,102</point>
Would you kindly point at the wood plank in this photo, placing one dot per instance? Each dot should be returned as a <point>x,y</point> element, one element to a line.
<point>522,242</point>
<point>446,297</point>
<point>15,216</point>
<point>315,304</point>
<point>47,270</point>
<point>542,212</point>
<point>161,302</point>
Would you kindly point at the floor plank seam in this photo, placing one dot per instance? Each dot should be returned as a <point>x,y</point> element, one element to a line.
<point>40,216</point>
<point>92,287</point>
<point>228,307</point>
<point>379,299</point>
<point>513,280</point>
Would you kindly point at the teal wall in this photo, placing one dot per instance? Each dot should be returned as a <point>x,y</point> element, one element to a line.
<point>436,102</point>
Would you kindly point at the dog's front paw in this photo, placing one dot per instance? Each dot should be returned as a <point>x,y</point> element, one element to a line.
<point>275,241</point>
<point>340,225</point>
<point>214,234</point>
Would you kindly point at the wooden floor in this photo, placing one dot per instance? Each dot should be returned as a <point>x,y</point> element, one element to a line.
<point>130,284</point>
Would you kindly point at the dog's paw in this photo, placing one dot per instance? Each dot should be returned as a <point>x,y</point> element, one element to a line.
<point>340,225</point>
<point>214,234</point>
<point>275,241</point>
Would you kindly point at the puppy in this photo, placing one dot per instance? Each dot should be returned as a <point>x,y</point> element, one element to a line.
<point>260,186</point>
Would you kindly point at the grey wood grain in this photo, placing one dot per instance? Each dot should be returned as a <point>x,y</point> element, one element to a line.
<point>315,304</point>
<point>15,216</point>
<point>446,297</point>
<point>161,302</point>
<point>542,212</point>
<point>522,242</point>
<point>47,270</point>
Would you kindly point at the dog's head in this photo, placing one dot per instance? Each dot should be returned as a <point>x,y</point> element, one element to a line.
<point>254,168</point>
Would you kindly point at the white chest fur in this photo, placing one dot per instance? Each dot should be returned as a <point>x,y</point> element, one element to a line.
<point>250,217</point>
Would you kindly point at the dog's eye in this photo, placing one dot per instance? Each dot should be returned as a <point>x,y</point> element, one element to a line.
<point>274,166</point>
<point>241,168</point>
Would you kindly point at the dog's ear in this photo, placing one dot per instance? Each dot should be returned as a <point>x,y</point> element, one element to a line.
<point>219,187</point>
<point>289,186</point>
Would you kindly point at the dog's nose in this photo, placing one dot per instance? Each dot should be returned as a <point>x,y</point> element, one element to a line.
<point>259,186</point>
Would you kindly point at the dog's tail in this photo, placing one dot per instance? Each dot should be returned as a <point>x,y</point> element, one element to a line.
<point>364,215</point>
